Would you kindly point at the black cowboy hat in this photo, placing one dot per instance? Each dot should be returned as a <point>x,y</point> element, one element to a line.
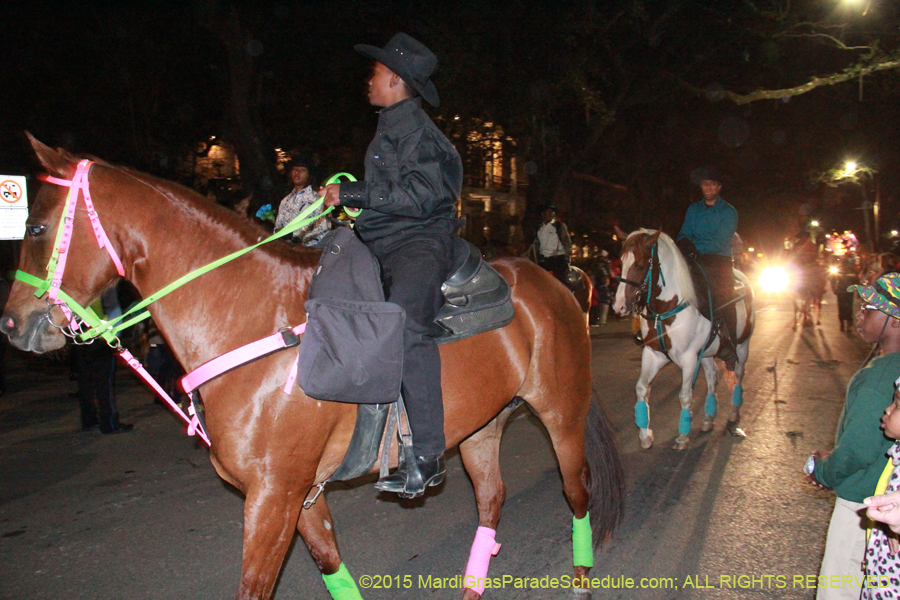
<point>711,173</point>
<point>299,160</point>
<point>409,59</point>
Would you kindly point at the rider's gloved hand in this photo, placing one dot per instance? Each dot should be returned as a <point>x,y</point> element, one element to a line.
<point>687,247</point>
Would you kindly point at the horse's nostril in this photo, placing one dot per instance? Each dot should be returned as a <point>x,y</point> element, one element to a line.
<point>8,324</point>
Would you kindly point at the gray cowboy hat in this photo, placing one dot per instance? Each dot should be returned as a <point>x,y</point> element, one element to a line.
<point>409,59</point>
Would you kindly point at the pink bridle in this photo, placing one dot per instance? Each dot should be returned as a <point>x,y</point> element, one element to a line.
<point>78,186</point>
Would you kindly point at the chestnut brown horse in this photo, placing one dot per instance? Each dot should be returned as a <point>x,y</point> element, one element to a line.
<point>274,446</point>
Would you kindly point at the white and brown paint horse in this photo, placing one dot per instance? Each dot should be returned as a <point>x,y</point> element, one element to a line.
<point>656,280</point>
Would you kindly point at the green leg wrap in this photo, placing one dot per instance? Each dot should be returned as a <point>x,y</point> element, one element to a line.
<point>341,585</point>
<point>582,548</point>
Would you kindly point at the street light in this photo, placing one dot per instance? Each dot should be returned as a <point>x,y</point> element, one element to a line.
<point>852,172</point>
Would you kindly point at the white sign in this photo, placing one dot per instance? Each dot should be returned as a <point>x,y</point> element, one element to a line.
<point>13,207</point>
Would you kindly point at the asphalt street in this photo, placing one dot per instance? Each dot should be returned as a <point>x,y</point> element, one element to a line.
<point>143,514</point>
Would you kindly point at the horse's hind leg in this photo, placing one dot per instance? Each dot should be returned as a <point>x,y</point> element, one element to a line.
<point>737,395</point>
<point>317,530</point>
<point>711,407</point>
<point>567,433</point>
<point>481,457</point>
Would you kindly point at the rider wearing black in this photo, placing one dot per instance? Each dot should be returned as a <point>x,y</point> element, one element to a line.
<point>707,234</point>
<point>413,180</point>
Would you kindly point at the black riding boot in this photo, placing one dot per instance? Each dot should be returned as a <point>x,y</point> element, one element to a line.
<point>727,353</point>
<point>409,482</point>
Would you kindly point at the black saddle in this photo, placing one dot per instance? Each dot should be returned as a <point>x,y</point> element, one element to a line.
<point>476,297</point>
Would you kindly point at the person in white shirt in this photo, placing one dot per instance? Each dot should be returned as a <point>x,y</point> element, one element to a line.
<point>552,245</point>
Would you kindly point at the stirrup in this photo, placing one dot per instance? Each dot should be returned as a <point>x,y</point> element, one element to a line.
<point>413,486</point>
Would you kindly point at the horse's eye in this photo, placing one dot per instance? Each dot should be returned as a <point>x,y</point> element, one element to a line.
<point>35,230</point>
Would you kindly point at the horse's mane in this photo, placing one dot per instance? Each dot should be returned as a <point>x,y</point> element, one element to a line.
<point>217,214</point>
<point>669,252</point>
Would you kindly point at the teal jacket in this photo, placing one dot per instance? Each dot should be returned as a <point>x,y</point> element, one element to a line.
<point>710,228</point>
<point>859,455</point>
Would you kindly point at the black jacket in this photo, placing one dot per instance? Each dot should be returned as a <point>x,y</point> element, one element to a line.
<point>413,175</point>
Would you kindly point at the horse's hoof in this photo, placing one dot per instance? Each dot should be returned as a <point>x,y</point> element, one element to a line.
<point>647,442</point>
<point>580,594</point>
<point>681,443</point>
<point>707,425</point>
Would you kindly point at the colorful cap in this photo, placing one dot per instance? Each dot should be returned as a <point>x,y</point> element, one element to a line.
<point>884,295</point>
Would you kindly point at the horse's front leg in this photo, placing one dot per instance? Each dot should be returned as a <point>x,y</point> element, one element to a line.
<point>712,378</point>
<point>651,362</point>
<point>317,530</point>
<point>686,398</point>
<point>270,515</point>
<point>481,459</point>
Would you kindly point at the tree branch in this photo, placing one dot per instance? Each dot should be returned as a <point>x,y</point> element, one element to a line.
<point>849,74</point>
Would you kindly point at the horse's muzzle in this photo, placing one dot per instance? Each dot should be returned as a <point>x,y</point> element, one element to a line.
<point>33,333</point>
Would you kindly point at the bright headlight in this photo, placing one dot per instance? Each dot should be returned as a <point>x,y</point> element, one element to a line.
<point>774,279</point>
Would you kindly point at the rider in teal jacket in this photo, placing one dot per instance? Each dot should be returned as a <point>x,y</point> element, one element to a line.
<point>706,234</point>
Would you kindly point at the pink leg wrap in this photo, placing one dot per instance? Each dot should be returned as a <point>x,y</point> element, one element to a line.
<point>483,548</point>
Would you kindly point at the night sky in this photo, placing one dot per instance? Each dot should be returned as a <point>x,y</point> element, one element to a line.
<point>604,89</point>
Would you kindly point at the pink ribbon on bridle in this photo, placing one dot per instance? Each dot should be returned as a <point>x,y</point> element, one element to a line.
<point>78,184</point>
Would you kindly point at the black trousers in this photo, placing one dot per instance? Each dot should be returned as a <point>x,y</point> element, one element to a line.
<point>558,265</point>
<point>721,282</point>
<point>845,306</point>
<point>95,368</point>
<point>414,264</point>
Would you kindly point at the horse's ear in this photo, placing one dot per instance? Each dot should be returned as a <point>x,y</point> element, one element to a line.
<point>55,161</point>
<point>619,233</point>
<point>651,239</point>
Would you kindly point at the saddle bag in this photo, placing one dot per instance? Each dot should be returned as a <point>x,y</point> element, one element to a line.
<point>352,349</point>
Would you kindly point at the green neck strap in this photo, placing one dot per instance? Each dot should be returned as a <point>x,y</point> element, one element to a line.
<point>136,313</point>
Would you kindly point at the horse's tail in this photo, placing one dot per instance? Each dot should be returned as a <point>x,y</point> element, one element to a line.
<point>606,483</point>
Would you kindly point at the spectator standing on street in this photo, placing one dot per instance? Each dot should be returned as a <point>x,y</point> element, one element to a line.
<point>845,277</point>
<point>882,561</point>
<point>552,246</point>
<point>95,368</point>
<point>601,289</point>
<point>853,467</point>
<point>304,175</point>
